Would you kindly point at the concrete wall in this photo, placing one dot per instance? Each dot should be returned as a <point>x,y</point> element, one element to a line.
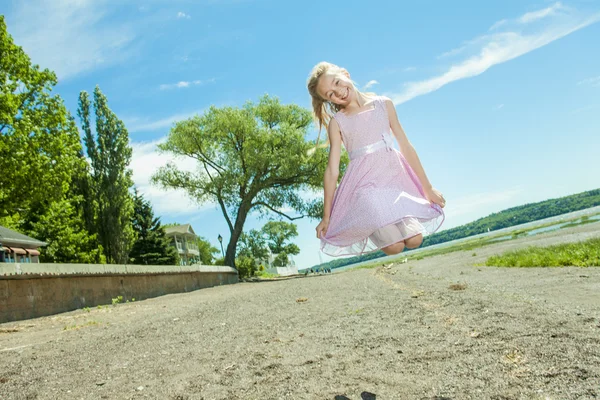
<point>35,290</point>
<point>283,271</point>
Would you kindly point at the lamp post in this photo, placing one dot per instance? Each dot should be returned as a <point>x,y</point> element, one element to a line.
<point>221,242</point>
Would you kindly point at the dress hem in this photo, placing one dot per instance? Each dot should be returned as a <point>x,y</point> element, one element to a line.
<point>325,242</point>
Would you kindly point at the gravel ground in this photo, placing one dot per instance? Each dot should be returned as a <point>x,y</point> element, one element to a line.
<point>438,328</point>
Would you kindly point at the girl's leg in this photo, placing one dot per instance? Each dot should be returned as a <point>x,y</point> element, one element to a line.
<point>394,248</point>
<point>413,242</point>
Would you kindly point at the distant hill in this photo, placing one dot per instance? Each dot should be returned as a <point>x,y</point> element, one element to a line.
<point>503,219</point>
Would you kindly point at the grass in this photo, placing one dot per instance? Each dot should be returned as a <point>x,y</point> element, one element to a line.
<point>265,275</point>
<point>581,254</point>
<point>584,220</point>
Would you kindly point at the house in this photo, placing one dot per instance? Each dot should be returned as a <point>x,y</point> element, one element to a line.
<point>183,238</point>
<point>16,247</point>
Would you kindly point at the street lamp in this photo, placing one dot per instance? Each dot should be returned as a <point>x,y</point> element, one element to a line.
<point>221,241</point>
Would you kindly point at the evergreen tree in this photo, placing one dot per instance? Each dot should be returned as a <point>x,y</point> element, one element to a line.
<point>151,246</point>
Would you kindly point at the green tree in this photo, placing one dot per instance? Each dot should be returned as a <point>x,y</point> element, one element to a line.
<point>40,160</point>
<point>207,251</point>
<point>253,244</point>
<point>278,233</point>
<point>64,231</point>
<point>110,155</point>
<point>249,158</point>
<point>152,245</point>
<point>39,141</point>
<point>281,260</point>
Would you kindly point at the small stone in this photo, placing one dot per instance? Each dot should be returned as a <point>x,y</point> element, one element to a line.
<point>140,388</point>
<point>100,383</point>
<point>175,319</point>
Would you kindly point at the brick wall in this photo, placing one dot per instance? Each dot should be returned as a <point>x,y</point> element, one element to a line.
<point>35,290</point>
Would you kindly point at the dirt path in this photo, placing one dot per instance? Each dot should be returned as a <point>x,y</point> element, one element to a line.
<point>399,332</point>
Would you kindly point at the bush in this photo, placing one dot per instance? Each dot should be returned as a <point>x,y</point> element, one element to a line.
<point>246,266</point>
<point>220,261</point>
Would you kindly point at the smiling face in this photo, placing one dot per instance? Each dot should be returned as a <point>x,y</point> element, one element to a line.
<point>337,88</point>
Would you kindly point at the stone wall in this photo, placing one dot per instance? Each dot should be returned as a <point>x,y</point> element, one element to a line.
<point>35,290</point>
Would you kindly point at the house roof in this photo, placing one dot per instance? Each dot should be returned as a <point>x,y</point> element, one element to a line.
<point>181,229</point>
<point>8,236</point>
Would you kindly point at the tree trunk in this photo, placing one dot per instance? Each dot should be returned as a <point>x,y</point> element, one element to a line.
<point>237,232</point>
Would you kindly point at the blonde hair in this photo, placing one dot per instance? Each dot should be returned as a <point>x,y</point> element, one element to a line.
<point>323,110</point>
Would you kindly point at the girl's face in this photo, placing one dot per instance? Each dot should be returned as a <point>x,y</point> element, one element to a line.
<point>336,87</point>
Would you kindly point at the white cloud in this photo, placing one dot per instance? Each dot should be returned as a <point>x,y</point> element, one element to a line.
<point>185,84</point>
<point>135,124</point>
<point>498,24</point>
<point>409,69</point>
<point>183,15</point>
<point>535,15</point>
<point>69,37</point>
<point>499,106</point>
<point>452,52</point>
<point>145,161</point>
<point>590,81</point>
<point>370,84</point>
<point>520,37</point>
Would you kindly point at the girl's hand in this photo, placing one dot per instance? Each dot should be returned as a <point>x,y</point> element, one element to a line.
<point>434,196</point>
<point>322,227</point>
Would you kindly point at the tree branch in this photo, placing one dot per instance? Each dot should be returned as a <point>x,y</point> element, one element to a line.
<point>262,203</point>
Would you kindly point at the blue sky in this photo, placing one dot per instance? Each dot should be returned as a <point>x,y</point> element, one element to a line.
<point>501,99</point>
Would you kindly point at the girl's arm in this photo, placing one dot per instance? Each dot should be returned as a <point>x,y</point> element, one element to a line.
<point>409,152</point>
<point>332,173</point>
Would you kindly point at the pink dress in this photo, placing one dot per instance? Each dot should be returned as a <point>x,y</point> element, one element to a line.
<point>380,200</point>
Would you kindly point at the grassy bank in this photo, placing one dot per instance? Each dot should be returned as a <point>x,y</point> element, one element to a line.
<point>581,254</point>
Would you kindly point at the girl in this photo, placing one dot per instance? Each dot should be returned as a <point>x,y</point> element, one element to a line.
<point>384,200</point>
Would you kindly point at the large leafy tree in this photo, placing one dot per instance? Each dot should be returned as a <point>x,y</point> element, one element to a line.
<point>152,245</point>
<point>41,160</point>
<point>110,155</point>
<point>253,244</point>
<point>278,234</point>
<point>251,158</point>
<point>39,142</point>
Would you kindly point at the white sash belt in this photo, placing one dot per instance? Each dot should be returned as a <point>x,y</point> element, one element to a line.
<point>385,143</point>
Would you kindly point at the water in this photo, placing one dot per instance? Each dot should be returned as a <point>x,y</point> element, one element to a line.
<point>560,220</point>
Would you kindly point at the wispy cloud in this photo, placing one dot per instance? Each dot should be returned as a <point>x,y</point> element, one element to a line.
<point>499,106</point>
<point>185,84</point>
<point>590,81</point>
<point>371,84</point>
<point>70,37</point>
<point>182,15</point>
<point>498,24</point>
<point>520,36</point>
<point>145,161</point>
<point>543,13</point>
<point>135,124</point>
